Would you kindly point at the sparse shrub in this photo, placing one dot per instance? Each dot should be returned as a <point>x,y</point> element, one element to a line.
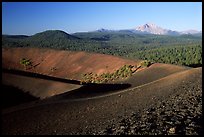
<point>123,72</point>
<point>53,69</point>
<point>145,63</point>
<point>25,62</point>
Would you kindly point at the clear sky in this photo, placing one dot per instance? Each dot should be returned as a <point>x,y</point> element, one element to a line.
<point>29,18</point>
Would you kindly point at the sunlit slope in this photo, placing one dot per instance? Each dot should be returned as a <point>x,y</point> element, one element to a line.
<point>63,64</point>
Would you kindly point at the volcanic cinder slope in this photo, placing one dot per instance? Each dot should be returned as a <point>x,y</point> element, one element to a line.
<point>85,110</point>
<point>58,64</point>
<point>103,114</point>
<point>92,109</point>
<point>70,65</point>
<point>63,64</point>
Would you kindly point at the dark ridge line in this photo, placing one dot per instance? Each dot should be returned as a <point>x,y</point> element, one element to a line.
<point>41,76</point>
<point>46,77</point>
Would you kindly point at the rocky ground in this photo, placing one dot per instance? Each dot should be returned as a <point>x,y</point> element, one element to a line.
<point>168,106</point>
<point>181,114</point>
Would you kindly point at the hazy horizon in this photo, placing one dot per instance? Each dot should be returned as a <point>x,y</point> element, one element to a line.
<point>29,18</point>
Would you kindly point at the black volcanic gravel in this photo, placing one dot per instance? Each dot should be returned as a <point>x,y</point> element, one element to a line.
<point>181,114</point>
<point>169,106</point>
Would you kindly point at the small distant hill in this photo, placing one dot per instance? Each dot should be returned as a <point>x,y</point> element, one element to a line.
<point>52,34</point>
<point>55,39</point>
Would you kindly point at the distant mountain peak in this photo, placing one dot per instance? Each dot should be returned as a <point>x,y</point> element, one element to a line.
<point>150,24</point>
<point>101,29</point>
<point>151,28</point>
<point>104,30</point>
<point>190,32</point>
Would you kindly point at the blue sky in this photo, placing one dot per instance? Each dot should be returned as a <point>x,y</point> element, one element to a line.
<point>28,18</point>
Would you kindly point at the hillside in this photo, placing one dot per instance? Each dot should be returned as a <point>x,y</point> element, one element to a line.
<point>68,65</point>
<point>171,105</point>
<point>119,107</point>
<point>63,64</point>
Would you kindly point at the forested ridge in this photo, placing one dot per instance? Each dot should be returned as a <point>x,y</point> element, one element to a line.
<point>180,50</point>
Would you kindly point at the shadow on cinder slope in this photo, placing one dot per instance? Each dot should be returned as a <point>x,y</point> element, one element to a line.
<point>92,90</point>
<point>12,96</point>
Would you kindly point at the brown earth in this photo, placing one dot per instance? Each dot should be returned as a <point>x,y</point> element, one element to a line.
<point>63,64</point>
<point>55,63</point>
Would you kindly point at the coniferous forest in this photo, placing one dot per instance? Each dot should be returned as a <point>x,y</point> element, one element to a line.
<point>179,50</point>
